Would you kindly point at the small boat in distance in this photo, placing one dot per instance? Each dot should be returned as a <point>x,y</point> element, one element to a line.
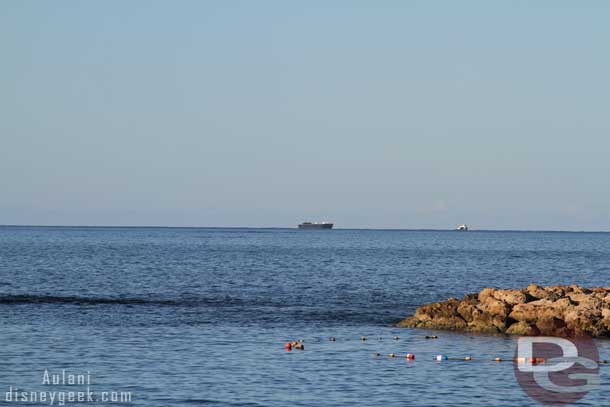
<point>316,225</point>
<point>462,228</point>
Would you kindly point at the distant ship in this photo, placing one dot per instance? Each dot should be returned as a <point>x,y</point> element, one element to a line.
<point>316,225</point>
<point>462,228</point>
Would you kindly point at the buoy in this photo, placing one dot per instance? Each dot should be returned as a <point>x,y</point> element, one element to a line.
<point>467,358</point>
<point>376,354</point>
<point>380,339</point>
<point>441,357</point>
<point>431,337</point>
<point>392,355</point>
<point>603,361</point>
<point>332,339</point>
<point>288,346</point>
<point>532,360</point>
<point>363,338</point>
<point>498,359</point>
<point>410,356</point>
<point>396,338</point>
<point>294,343</point>
<point>301,340</point>
<point>300,346</point>
<point>540,360</point>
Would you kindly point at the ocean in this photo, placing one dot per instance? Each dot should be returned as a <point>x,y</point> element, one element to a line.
<point>200,316</point>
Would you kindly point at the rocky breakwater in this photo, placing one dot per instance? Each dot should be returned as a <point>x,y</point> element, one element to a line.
<point>553,311</point>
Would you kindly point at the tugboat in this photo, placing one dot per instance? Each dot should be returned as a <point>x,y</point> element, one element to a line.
<point>316,225</point>
<point>462,228</point>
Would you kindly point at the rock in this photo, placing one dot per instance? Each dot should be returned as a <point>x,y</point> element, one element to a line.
<point>591,304</point>
<point>555,292</point>
<point>466,309</point>
<point>486,293</point>
<point>578,297</point>
<point>481,327</point>
<point>439,315</point>
<point>449,323</point>
<point>532,311</point>
<point>494,307</point>
<point>562,305</point>
<point>554,310</point>
<point>536,291</point>
<point>586,317</point>
<point>510,297</point>
<point>579,290</point>
<point>600,293</point>
<point>519,328</point>
<point>552,327</point>
<point>605,321</point>
<point>580,325</point>
<point>443,309</point>
<point>410,322</point>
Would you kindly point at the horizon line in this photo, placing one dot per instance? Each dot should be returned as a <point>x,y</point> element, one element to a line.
<point>295,228</point>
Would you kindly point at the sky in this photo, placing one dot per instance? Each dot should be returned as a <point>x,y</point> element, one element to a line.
<point>372,114</point>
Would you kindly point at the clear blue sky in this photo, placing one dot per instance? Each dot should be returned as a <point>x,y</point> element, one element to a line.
<point>402,114</point>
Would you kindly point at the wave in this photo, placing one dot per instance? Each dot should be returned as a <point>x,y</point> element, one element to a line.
<point>195,401</point>
<point>231,309</point>
<point>83,300</point>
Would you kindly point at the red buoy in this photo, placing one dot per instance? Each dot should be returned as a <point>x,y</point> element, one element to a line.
<point>288,346</point>
<point>532,360</point>
<point>410,356</point>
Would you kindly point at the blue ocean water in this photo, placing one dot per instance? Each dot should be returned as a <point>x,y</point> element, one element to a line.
<point>197,316</point>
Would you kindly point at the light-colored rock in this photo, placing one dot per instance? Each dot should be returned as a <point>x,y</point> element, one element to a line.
<point>466,309</point>
<point>532,311</point>
<point>519,328</point>
<point>555,292</point>
<point>536,291</point>
<point>486,293</point>
<point>578,297</point>
<point>553,310</point>
<point>494,307</point>
<point>510,297</point>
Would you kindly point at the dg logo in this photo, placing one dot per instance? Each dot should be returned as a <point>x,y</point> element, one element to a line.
<point>556,371</point>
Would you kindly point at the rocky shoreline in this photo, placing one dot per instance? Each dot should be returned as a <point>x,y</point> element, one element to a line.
<point>554,311</point>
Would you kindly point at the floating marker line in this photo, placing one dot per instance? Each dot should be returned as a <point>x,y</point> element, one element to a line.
<point>298,344</point>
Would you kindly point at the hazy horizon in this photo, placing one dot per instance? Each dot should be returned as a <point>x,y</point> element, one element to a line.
<point>401,115</point>
<point>294,227</point>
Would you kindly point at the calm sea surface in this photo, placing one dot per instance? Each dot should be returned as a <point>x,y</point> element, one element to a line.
<point>186,317</point>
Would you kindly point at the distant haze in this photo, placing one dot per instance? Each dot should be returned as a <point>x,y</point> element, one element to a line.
<point>394,114</point>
